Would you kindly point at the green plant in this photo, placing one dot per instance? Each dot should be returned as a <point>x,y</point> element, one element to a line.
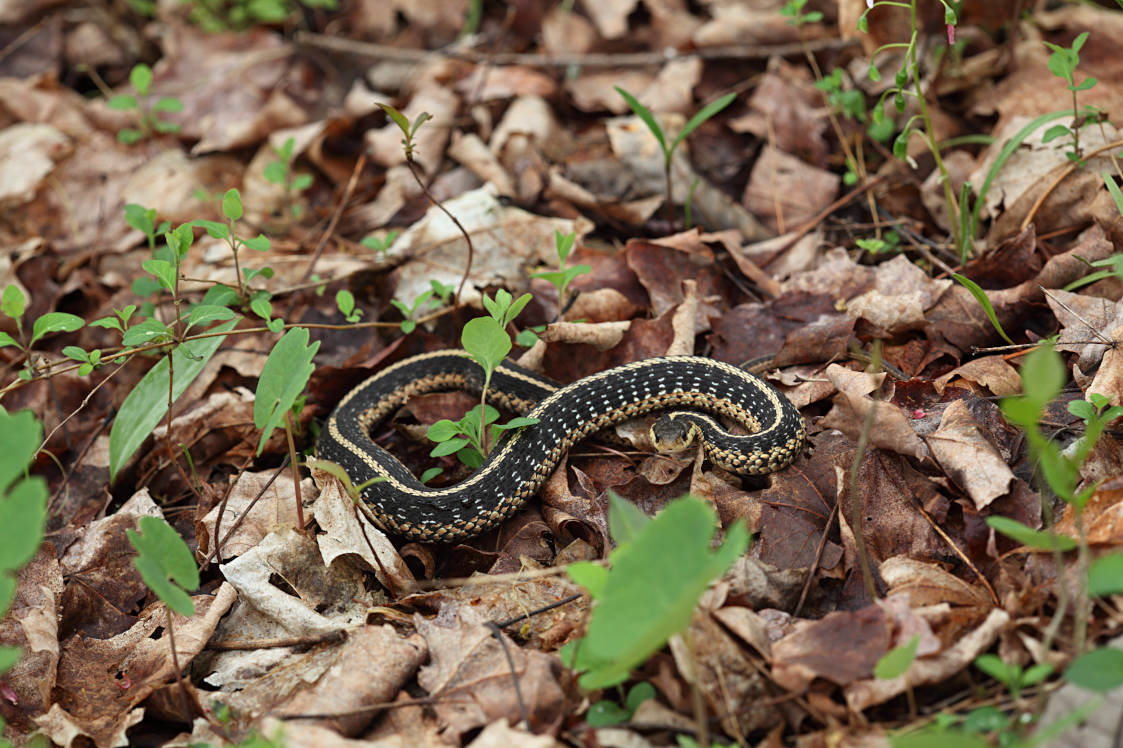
<point>280,172</point>
<point>409,312</point>
<point>1013,676</point>
<point>984,301</point>
<point>910,70</point>
<point>278,398</point>
<point>380,244</point>
<point>1115,261</point>
<point>563,276</point>
<point>1043,376</point>
<point>144,220</point>
<point>259,301</point>
<point>1062,63</point>
<point>605,713</point>
<point>487,342</point>
<point>409,131</point>
<point>13,304</point>
<point>649,594</point>
<point>345,301</point>
<point>656,129</point>
<point>148,117</point>
<point>23,509</point>
<point>237,15</point>
<point>888,243</point>
<point>794,10</point>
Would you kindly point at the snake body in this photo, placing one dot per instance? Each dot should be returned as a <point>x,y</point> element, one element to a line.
<point>691,388</point>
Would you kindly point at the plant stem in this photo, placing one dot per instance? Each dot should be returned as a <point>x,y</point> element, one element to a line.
<point>295,465</point>
<point>930,137</point>
<point>669,205</point>
<point>412,165</point>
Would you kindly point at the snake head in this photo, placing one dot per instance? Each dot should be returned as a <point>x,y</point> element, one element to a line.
<point>674,432</point>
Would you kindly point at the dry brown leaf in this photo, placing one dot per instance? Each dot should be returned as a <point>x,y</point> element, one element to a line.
<point>609,16</point>
<point>866,693</point>
<point>733,686</point>
<point>786,192</point>
<point>275,508</point>
<point>101,681</point>
<point>31,623</point>
<point>474,154</point>
<point>890,429</point>
<point>469,677</point>
<point>842,647</point>
<point>968,457</point>
<point>28,153</point>
<point>507,241</point>
<point>350,532</point>
<point>992,372</point>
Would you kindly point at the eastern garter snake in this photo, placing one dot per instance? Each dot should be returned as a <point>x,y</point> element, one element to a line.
<point>524,459</point>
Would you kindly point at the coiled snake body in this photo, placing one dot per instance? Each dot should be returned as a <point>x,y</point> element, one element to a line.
<point>691,389</point>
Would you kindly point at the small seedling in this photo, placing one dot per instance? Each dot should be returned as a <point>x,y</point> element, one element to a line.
<point>1062,63</point>
<point>13,304</point>
<point>607,713</point>
<point>144,220</point>
<point>238,15</point>
<point>563,276</point>
<point>345,300</point>
<point>232,209</point>
<point>380,244</point>
<point>796,17</point>
<point>148,117</point>
<point>280,172</point>
<point>409,312</point>
<point>656,129</point>
<point>889,243</point>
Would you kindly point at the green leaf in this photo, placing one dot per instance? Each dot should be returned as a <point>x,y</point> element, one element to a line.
<point>648,119</point>
<point>154,577</point>
<point>301,182</point>
<point>75,353</point>
<point>1043,374</point>
<point>128,136</point>
<point>1054,132</point>
<point>147,403</point>
<point>1105,575</point>
<point>214,228</point>
<point>650,593</point>
<point>1038,539</point>
<point>625,519</point>
<point>149,331</point>
<point>590,576</point>
<point>1112,187</point>
<point>275,172</point>
<point>449,446</point>
<point>121,102</point>
<point>638,694</point>
<point>486,342</point>
<point>897,660</point>
<point>232,204</point>
<point>606,714</point>
<point>398,118</point>
<point>430,474</point>
<point>702,115</point>
<point>167,104</point>
<point>9,656</point>
<point>1100,670</point>
<point>163,271</point>
<point>159,541</point>
<point>345,300</point>
<point>13,303</point>
<point>23,513</point>
<point>282,379</point>
<point>141,77</point>
<point>54,322</point>
<point>20,434</point>
<point>442,430</point>
<point>984,301</point>
<point>259,243</point>
<point>204,314</point>
<point>6,340</point>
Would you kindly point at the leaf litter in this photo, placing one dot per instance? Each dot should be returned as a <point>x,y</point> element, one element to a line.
<point>339,634</point>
